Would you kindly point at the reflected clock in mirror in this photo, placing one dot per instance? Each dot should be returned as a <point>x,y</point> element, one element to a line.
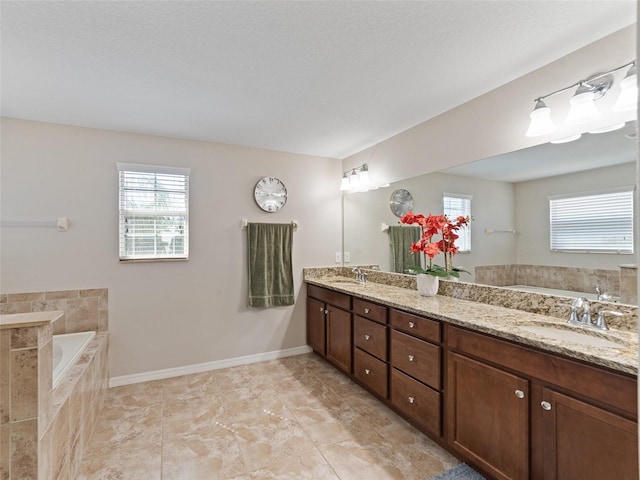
<point>270,194</point>
<point>400,202</point>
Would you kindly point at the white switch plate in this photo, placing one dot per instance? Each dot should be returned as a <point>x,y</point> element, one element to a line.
<point>338,257</point>
<point>347,257</point>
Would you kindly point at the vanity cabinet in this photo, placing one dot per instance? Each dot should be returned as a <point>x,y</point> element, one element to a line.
<point>519,413</point>
<point>329,325</point>
<point>489,417</point>
<point>370,346</point>
<point>416,371</point>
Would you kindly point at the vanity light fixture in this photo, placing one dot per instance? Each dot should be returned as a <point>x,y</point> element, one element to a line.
<point>583,108</point>
<point>356,179</point>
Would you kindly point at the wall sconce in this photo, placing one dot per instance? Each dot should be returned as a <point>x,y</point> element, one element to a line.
<point>583,108</point>
<point>356,179</point>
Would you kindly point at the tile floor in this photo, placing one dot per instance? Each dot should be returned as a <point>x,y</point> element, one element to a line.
<point>293,418</point>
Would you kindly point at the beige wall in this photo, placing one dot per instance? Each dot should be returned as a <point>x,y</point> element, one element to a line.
<point>162,314</point>
<point>496,122</point>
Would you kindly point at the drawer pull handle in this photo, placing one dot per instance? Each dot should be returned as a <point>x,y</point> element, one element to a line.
<point>366,310</point>
<point>545,405</point>
<point>367,337</point>
<point>411,358</point>
<point>411,399</point>
<point>519,393</point>
<point>412,325</point>
<point>367,371</point>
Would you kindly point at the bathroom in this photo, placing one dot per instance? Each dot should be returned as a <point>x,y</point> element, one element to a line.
<point>167,319</point>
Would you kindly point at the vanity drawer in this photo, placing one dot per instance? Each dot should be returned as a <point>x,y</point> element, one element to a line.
<point>329,296</point>
<point>370,337</point>
<point>372,372</point>
<point>419,402</point>
<point>416,357</point>
<point>417,326</point>
<point>372,311</point>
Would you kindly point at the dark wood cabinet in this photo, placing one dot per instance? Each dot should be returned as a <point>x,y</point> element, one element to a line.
<point>512,411</point>
<point>488,417</point>
<point>339,338</point>
<point>582,441</point>
<point>316,325</point>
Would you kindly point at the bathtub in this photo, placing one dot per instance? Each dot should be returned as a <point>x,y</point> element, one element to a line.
<point>67,349</point>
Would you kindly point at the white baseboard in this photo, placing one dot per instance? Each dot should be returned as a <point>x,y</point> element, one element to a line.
<point>205,367</point>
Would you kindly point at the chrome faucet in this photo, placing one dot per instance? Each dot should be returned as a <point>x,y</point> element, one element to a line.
<point>601,323</point>
<point>600,295</point>
<point>360,275</point>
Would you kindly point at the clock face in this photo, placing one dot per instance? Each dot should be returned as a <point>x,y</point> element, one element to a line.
<point>270,194</point>
<point>400,202</point>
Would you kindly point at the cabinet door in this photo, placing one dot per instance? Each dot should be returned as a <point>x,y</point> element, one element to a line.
<point>316,325</point>
<point>339,338</point>
<point>488,417</point>
<point>585,442</point>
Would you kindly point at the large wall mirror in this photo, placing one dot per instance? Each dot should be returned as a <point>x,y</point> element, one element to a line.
<point>509,194</point>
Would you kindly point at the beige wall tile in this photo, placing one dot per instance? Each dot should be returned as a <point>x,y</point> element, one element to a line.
<point>21,307</point>
<point>24,297</point>
<point>45,455</point>
<point>5,343</point>
<point>24,337</point>
<point>4,452</point>
<point>61,445</point>
<point>3,298</point>
<point>24,384</point>
<point>103,320</point>
<point>23,449</point>
<point>61,294</point>
<point>81,314</point>
<point>45,388</point>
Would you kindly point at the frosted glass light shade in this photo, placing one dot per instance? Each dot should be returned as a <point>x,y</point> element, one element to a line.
<point>541,123</point>
<point>628,99</point>
<point>344,184</point>
<point>583,109</point>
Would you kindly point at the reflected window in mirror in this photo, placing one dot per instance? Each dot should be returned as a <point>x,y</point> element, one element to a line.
<point>456,205</point>
<point>592,222</point>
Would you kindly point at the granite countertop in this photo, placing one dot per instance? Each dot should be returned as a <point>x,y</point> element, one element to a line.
<point>31,319</point>
<point>498,321</point>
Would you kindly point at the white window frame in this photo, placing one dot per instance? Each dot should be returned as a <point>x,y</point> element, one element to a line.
<point>464,241</point>
<point>599,221</point>
<point>176,214</point>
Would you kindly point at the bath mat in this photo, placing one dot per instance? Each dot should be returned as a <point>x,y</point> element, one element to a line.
<point>460,472</point>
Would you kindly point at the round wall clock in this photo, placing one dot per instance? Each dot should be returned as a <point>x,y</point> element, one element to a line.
<point>400,202</point>
<point>270,194</point>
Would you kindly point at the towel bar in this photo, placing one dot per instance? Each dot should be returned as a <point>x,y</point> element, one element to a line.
<point>244,222</point>
<point>61,223</point>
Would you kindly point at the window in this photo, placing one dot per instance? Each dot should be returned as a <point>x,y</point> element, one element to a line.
<point>596,222</point>
<point>154,212</point>
<point>454,206</point>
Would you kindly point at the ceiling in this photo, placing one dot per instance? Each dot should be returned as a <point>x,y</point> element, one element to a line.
<point>318,78</point>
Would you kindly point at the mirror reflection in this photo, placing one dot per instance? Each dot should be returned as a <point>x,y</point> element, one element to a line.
<point>510,230</point>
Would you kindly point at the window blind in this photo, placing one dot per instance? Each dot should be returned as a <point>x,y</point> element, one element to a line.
<point>597,222</point>
<point>154,212</point>
<point>456,205</point>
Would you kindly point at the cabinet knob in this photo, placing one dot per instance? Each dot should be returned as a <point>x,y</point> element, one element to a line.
<point>411,358</point>
<point>366,310</point>
<point>367,337</point>
<point>322,309</point>
<point>326,311</point>
<point>545,405</point>
<point>519,393</point>
<point>411,399</point>
<point>367,371</point>
<point>412,325</point>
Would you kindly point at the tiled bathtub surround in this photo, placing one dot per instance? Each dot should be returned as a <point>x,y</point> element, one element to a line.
<point>43,431</point>
<point>84,310</point>
<point>622,282</point>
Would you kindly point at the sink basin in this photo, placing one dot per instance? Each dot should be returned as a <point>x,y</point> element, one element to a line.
<point>345,282</point>
<point>572,336</point>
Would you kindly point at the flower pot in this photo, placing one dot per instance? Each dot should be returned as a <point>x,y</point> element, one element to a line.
<point>427,284</point>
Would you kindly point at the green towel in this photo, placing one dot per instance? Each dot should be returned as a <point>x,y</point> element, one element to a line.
<point>400,240</point>
<point>270,265</point>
